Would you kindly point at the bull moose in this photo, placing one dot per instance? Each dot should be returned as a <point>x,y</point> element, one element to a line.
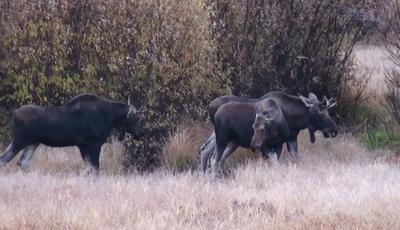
<point>208,147</point>
<point>85,121</point>
<point>298,112</point>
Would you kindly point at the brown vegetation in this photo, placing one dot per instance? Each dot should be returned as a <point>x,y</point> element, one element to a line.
<point>173,57</point>
<point>337,184</point>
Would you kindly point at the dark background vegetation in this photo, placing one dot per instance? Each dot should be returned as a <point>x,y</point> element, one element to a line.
<point>173,57</point>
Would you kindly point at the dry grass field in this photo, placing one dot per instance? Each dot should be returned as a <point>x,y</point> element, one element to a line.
<point>337,184</point>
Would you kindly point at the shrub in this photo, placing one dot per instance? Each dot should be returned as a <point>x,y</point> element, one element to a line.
<point>159,52</point>
<point>174,57</point>
<point>379,138</point>
<point>181,149</point>
<point>392,77</point>
<point>296,46</point>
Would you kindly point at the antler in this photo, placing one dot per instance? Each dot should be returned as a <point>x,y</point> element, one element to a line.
<point>328,102</point>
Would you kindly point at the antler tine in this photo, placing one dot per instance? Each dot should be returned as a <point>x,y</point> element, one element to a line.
<point>328,101</point>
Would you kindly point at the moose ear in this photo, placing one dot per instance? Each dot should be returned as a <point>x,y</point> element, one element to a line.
<point>306,101</point>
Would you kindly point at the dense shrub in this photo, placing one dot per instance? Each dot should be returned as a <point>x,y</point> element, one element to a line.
<point>391,33</point>
<point>173,57</point>
<point>296,46</point>
<point>159,52</point>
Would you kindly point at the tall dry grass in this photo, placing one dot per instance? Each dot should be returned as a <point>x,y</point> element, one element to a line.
<point>181,150</point>
<point>336,185</point>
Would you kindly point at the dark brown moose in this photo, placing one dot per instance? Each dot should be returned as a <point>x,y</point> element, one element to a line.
<point>233,124</point>
<point>85,121</point>
<point>208,147</point>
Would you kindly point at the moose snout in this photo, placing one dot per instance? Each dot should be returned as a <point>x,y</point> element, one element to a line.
<point>255,144</point>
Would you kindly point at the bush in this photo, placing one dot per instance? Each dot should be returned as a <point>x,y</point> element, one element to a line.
<point>380,138</point>
<point>296,46</point>
<point>181,149</point>
<point>174,57</point>
<point>159,52</point>
<point>392,77</point>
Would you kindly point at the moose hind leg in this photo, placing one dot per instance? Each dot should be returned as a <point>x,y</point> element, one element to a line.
<point>206,151</point>
<point>11,151</point>
<point>215,164</point>
<point>26,157</point>
<point>6,156</point>
<point>292,147</point>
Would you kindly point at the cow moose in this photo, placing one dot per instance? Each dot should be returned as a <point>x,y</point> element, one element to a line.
<point>85,121</point>
<point>298,112</point>
<point>233,128</point>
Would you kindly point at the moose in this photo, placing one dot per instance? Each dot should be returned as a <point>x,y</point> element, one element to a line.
<point>85,121</point>
<point>298,112</point>
<point>208,147</point>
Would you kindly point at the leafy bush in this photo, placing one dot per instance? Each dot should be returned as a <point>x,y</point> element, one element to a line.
<point>174,57</point>
<point>296,46</point>
<point>159,52</point>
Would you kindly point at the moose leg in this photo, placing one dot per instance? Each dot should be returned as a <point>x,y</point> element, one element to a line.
<point>84,152</point>
<point>12,150</point>
<point>292,147</point>
<point>6,156</point>
<point>278,151</point>
<point>26,157</point>
<point>210,139</point>
<point>206,151</point>
<point>94,157</point>
<point>312,135</point>
<point>232,146</point>
<point>219,150</point>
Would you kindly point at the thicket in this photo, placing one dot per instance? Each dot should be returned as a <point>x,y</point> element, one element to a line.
<point>173,57</point>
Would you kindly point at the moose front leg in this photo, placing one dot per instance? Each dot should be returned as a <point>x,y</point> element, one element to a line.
<point>311,131</point>
<point>92,155</point>
<point>292,147</point>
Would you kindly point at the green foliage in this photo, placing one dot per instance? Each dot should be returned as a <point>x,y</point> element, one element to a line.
<point>379,138</point>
